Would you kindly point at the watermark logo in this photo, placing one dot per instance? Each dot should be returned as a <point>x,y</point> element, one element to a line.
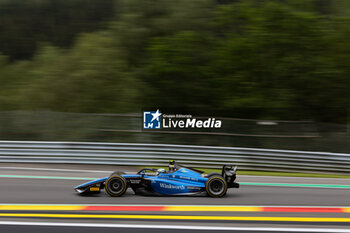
<point>158,120</point>
<point>152,120</point>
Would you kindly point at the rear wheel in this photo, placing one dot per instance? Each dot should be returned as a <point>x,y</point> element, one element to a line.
<point>216,186</point>
<point>213,174</point>
<point>116,186</point>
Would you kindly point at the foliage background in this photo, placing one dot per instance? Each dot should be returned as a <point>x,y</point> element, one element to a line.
<point>258,59</point>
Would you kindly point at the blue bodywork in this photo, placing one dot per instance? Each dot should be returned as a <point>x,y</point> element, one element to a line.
<point>180,182</point>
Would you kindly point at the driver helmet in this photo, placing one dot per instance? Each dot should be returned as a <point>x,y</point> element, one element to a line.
<point>171,165</point>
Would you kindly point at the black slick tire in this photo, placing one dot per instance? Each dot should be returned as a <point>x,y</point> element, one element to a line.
<point>216,186</point>
<point>213,174</point>
<point>117,173</point>
<point>116,185</point>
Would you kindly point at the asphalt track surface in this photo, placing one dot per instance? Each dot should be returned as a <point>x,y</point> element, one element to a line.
<point>48,191</point>
<point>60,191</point>
<point>36,189</point>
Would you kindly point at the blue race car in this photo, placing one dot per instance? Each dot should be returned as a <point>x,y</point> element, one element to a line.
<point>178,180</point>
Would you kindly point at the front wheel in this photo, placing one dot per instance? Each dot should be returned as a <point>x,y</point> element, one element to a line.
<point>216,186</point>
<point>117,173</point>
<point>116,186</point>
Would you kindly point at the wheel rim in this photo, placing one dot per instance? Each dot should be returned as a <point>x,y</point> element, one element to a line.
<point>116,185</point>
<point>216,186</point>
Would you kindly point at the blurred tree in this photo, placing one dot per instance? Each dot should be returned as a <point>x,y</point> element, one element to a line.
<point>84,79</point>
<point>179,71</point>
<point>25,23</point>
<point>274,55</point>
<point>193,54</point>
<point>142,33</point>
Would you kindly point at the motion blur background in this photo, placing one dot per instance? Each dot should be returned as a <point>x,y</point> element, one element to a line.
<point>275,71</point>
<point>75,76</point>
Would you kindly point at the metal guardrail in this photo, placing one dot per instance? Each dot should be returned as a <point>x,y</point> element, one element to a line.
<point>160,154</point>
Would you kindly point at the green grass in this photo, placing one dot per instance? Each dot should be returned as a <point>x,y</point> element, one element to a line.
<point>266,173</point>
<point>293,174</point>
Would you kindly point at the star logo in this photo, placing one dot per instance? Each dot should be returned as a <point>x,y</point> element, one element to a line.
<point>156,115</point>
<point>151,120</point>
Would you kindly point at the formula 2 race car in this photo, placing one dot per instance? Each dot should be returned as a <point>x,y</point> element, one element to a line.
<point>178,180</point>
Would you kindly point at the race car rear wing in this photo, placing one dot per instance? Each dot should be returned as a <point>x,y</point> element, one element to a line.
<point>229,174</point>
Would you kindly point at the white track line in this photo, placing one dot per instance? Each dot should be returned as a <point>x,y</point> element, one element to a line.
<point>293,177</point>
<point>55,204</point>
<point>240,176</point>
<point>211,228</point>
<point>100,171</point>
